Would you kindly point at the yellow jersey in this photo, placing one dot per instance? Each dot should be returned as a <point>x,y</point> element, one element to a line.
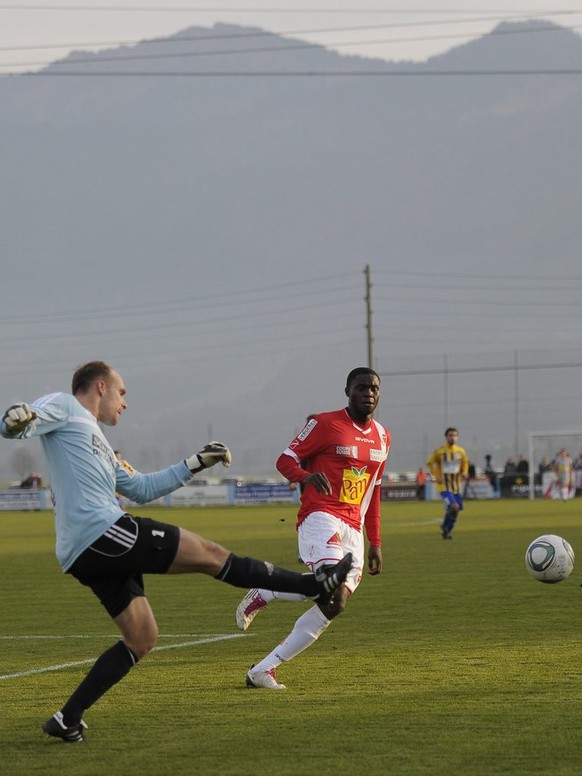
<point>448,465</point>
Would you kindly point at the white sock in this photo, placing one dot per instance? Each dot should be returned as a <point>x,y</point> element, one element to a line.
<point>270,595</point>
<point>289,597</point>
<point>306,630</point>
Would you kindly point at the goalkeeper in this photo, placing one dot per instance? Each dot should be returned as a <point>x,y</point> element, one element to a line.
<point>109,550</point>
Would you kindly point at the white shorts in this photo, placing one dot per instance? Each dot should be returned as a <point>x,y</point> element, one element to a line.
<point>323,538</point>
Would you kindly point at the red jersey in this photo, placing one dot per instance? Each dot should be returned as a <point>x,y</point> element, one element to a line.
<point>353,458</point>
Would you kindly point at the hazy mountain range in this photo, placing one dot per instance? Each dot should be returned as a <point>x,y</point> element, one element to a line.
<point>125,190</point>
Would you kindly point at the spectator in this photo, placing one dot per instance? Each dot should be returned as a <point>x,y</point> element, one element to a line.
<point>468,490</point>
<point>564,470</point>
<point>510,467</point>
<point>522,464</point>
<point>33,481</point>
<point>544,466</point>
<point>421,484</point>
<point>118,496</point>
<point>490,472</point>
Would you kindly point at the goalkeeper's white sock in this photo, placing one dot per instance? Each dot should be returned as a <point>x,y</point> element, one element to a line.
<point>306,631</point>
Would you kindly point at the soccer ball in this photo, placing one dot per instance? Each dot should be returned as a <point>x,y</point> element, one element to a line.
<point>549,558</point>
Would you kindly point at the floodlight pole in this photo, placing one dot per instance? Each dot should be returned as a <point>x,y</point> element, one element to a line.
<point>531,474</point>
<point>516,403</point>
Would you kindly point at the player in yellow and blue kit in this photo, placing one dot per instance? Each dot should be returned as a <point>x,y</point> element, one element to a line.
<point>449,466</point>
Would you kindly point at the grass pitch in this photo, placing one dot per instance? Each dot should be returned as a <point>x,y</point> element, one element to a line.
<point>453,661</point>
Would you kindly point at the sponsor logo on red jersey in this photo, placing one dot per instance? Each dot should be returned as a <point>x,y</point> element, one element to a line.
<point>350,450</point>
<point>307,430</point>
<point>354,484</point>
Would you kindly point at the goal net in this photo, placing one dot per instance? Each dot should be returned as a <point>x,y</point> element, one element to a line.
<point>543,450</point>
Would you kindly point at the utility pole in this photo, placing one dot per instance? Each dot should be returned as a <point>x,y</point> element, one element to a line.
<point>368,300</point>
<point>446,388</point>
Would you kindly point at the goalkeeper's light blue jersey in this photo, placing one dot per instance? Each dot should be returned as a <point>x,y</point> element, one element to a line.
<point>84,474</point>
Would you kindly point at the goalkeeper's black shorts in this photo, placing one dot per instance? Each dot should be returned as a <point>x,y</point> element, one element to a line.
<point>114,565</point>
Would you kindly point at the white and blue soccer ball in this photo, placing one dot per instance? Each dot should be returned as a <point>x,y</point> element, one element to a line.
<point>549,558</point>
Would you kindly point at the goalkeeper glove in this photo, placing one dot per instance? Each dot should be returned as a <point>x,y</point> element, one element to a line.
<point>212,453</point>
<point>18,417</point>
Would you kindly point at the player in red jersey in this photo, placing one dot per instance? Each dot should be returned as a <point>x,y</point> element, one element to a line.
<point>339,457</point>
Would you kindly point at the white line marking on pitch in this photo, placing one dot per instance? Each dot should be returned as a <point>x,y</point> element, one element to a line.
<point>47,669</point>
<point>41,636</point>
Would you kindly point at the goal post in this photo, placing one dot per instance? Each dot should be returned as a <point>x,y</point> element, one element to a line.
<point>547,444</point>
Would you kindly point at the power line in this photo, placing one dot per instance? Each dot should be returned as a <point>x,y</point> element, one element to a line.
<point>164,357</point>
<point>475,275</point>
<point>476,369</point>
<point>281,34</point>
<point>174,305</point>
<point>300,73</point>
<point>264,11</point>
<point>296,46</point>
<point>302,31</point>
<point>198,323</point>
<point>487,302</point>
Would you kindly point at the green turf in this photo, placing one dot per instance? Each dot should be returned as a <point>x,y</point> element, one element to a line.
<point>453,661</point>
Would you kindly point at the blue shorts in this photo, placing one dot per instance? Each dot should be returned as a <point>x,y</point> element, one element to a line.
<point>452,498</point>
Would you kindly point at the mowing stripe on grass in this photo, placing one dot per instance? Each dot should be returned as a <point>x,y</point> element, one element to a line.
<point>73,664</point>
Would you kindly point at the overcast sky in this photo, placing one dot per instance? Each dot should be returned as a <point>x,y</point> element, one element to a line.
<point>36,33</point>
